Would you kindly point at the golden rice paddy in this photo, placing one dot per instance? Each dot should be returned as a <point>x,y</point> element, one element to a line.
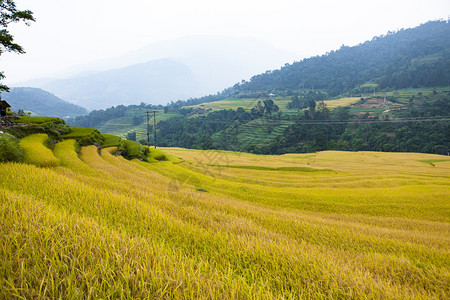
<point>225,225</point>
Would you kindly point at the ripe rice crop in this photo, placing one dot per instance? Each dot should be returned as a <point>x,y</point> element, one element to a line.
<point>226,225</point>
<point>34,151</point>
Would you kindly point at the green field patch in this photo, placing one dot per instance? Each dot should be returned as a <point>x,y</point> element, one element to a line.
<point>79,132</point>
<point>124,125</point>
<point>85,136</point>
<point>282,102</point>
<point>38,120</point>
<point>246,103</point>
<point>257,133</point>
<point>111,140</point>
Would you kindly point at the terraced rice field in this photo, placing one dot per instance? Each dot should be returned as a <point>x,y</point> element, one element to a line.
<point>282,102</point>
<point>247,103</point>
<point>258,132</point>
<point>226,225</point>
<point>122,126</point>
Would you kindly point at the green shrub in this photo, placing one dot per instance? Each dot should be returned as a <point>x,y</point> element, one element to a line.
<point>9,148</point>
<point>156,154</point>
<point>131,150</point>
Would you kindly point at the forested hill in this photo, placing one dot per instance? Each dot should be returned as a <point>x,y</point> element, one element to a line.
<point>417,57</point>
<point>41,103</point>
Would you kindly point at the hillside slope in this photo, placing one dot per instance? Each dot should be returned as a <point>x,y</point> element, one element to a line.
<point>41,103</point>
<point>408,58</point>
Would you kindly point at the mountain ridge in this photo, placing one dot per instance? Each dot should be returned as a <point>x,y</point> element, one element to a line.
<point>396,60</point>
<point>128,85</point>
<point>41,103</point>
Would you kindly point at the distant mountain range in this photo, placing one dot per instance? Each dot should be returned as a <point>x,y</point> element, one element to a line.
<point>156,81</point>
<point>167,71</point>
<point>41,103</point>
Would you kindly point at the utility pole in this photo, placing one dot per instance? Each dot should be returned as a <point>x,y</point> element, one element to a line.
<point>148,125</point>
<point>154,125</point>
<point>148,128</point>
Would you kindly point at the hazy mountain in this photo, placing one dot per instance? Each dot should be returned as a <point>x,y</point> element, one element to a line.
<point>156,81</point>
<point>41,103</point>
<point>215,63</point>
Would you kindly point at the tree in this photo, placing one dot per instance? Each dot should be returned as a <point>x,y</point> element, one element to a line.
<point>137,120</point>
<point>312,108</point>
<point>295,103</point>
<point>323,109</point>
<point>131,136</point>
<point>270,106</point>
<point>10,14</point>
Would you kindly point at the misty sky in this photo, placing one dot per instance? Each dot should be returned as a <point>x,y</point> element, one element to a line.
<point>69,32</point>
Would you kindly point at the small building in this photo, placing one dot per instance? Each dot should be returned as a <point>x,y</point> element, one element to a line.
<point>3,107</point>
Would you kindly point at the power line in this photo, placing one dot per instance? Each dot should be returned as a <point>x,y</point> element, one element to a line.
<point>322,122</point>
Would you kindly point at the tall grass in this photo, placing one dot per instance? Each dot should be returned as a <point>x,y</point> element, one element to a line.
<point>101,226</point>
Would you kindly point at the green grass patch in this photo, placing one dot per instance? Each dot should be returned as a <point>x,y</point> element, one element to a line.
<point>85,136</point>
<point>111,140</point>
<point>38,120</point>
<point>76,132</point>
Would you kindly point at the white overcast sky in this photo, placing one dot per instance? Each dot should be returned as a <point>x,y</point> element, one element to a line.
<point>70,32</point>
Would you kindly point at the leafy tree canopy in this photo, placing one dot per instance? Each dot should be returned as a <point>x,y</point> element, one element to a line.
<point>10,14</point>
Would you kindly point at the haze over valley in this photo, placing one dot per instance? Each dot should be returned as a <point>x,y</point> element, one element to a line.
<point>171,70</point>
